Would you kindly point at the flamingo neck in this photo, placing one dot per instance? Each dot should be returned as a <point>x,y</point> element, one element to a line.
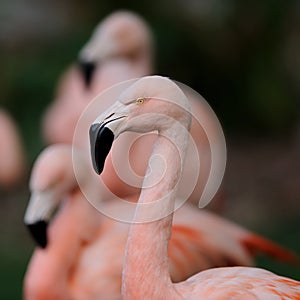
<point>146,269</point>
<point>142,61</point>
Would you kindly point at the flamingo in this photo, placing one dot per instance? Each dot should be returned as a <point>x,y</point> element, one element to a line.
<point>81,252</point>
<point>146,272</point>
<point>119,49</point>
<point>12,164</point>
<point>74,231</point>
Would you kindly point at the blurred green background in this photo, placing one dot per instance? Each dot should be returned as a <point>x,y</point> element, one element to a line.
<point>243,57</point>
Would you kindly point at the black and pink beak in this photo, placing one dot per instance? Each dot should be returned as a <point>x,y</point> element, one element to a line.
<point>101,140</point>
<point>38,232</point>
<point>42,205</point>
<point>102,133</point>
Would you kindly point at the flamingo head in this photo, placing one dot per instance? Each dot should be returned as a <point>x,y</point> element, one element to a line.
<point>152,103</point>
<point>50,182</point>
<point>122,34</point>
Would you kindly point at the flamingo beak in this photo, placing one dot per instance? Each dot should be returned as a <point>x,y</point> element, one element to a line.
<point>38,231</point>
<point>87,69</point>
<point>102,133</point>
<point>38,213</point>
<point>101,139</point>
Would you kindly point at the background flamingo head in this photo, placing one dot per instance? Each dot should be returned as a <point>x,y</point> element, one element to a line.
<point>122,34</point>
<point>50,181</point>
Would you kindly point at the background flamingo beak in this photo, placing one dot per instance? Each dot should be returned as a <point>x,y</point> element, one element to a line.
<point>38,231</point>
<point>41,207</point>
<point>87,69</point>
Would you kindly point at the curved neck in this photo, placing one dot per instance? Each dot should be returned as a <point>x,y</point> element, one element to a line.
<point>146,269</point>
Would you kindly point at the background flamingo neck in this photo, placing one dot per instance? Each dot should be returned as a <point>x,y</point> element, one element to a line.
<point>146,269</point>
<point>147,60</point>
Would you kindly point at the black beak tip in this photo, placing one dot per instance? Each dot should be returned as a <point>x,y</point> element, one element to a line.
<point>87,69</point>
<point>38,231</point>
<point>101,139</point>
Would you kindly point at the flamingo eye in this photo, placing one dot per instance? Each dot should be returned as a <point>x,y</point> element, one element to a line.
<point>140,101</point>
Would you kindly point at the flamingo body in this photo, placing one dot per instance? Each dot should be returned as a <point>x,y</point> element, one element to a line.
<point>239,283</point>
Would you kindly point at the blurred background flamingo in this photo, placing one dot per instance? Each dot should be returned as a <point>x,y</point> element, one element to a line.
<point>81,252</point>
<point>243,57</point>
<point>12,155</point>
<point>119,49</point>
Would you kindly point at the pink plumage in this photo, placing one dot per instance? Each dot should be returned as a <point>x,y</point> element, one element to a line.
<point>12,156</point>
